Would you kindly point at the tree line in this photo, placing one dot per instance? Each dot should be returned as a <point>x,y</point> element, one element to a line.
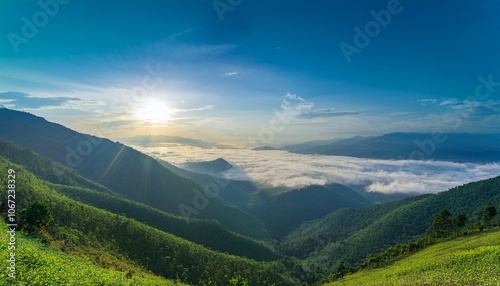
<point>443,227</point>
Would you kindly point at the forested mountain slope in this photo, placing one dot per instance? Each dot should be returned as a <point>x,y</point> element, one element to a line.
<point>387,227</point>
<point>102,236</point>
<point>68,182</point>
<point>285,212</point>
<point>123,170</point>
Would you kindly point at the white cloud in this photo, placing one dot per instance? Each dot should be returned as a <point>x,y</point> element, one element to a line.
<point>206,107</point>
<point>283,169</point>
<point>449,101</point>
<point>297,107</point>
<point>231,73</point>
<point>427,101</point>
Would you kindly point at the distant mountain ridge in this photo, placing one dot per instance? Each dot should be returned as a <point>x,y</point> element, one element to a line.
<point>237,192</point>
<point>457,147</point>
<point>163,140</point>
<point>209,167</point>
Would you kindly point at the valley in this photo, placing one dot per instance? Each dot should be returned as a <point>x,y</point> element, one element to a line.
<point>106,219</point>
<point>249,143</point>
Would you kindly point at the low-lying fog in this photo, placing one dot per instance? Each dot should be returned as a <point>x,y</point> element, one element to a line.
<point>283,169</point>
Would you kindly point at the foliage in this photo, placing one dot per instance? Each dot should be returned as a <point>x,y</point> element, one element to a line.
<point>460,220</point>
<point>81,229</point>
<point>468,260</point>
<point>100,225</point>
<point>47,169</point>
<point>351,234</point>
<point>69,183</point>
<point>123,170</point>
<point>489,212</point>
<point>40,264</point>
<point>441,226</point>
<point>440,230</point>
<point>285,212</point>
<point>339,225</point>
<point>211,234</point>
<point>34,217</point>
<point>238,281</point>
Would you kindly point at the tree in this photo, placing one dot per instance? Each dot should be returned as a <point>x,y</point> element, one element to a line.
<point>489,212</point>
<point>460,220</point>
<point>238,281</point>
<point>341,268</point>
<point>441,226</point>
<point>34,217</point>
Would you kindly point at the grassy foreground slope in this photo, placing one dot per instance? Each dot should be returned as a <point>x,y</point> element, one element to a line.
<point>41,264</point>
<point>469,260</point>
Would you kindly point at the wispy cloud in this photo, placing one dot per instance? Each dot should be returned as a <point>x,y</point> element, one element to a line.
<point>298,107</point>
<point>206,107</point>
<point>426,101</point>
<point>231,73</point>
<point>283,169</point>
<point>20,100</point>
<point>448,101</point>
<point>329,112</point>
<point>474,110</point>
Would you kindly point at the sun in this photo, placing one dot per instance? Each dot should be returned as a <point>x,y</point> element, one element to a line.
<point>153,110</point>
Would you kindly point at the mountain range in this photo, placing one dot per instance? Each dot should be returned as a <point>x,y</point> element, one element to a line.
<point>123,170</point>
<point>165,140</point>
<point>456,147</point>
<point>119,209</point>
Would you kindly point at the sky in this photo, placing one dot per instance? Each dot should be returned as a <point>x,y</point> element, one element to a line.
<point>265,72</point>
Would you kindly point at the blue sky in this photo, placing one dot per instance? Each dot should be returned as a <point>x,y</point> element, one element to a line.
<point>222,71</point>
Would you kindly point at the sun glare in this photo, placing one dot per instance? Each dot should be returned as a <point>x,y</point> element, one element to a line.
<point>154,110</point>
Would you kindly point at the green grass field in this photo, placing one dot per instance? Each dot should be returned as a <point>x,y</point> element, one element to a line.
<point>470,260</point>
<point>42,264</point>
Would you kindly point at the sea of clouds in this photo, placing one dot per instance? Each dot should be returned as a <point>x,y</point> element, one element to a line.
<point>283,169</point>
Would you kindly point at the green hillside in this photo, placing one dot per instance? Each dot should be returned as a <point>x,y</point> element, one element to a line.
<point>315,235</point>
<point>113,240</point>
<point>469,260</point>
<point>47,169</point>
<point>238,193</point>
<point>353,240</point>
<point>132,227</point>
<point>210,234</point>
<point>285,212</point>
<point>124,170</point>
<point>40,264</point>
